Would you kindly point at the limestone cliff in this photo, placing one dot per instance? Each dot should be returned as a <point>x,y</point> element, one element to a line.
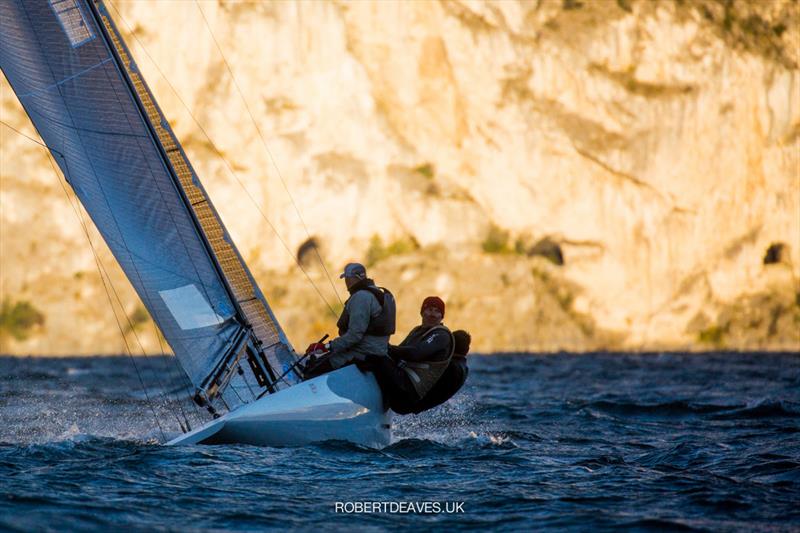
<point>577,174</point>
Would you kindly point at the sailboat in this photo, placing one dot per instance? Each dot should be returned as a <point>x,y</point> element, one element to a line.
<point>77,81</point>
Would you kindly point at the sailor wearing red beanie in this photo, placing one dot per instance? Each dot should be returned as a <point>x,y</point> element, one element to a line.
<point>433,301</point>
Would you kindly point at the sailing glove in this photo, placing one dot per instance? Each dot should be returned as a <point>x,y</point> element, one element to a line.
<point>316,347</point>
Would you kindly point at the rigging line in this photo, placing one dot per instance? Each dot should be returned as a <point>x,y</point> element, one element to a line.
<point>163,396</point>
<point>52,163</point>
<point>101,271</point>
<point>231,386</point>
<point>123,75</point>
<point>111,303</point>
<point>266,147</point>
<point>200,229</point>
<point>120,71</point>
<point>229,167</point>
<point>164,399</point>
<point>146,296</point>
<point>9,126</point>
<point>231,171</point>
<point>180,234</point>
<point>180,373</point>
<point>100,265</point>
<point>249,388</point>
<point>133,264</point>
<point>243,377</point>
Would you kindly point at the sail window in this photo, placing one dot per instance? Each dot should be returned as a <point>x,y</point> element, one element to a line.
<point>189,308</point>
<point>72,21</point>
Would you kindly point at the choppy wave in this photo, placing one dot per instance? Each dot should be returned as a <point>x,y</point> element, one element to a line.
<point>678,408</point>
<point>558,442</point>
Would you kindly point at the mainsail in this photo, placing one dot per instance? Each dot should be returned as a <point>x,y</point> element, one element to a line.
<point>78,83</point>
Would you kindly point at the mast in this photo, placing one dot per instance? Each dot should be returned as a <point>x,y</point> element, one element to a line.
<point>140,93</point>
<point>250,309</point>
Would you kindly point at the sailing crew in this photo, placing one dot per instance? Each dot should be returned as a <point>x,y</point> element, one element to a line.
<point>367,321</point>
<point>417,363</point>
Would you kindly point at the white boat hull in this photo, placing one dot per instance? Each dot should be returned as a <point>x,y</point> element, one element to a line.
<point>343,405</point>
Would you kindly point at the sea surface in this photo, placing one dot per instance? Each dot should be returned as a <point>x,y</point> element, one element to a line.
<point>561,442</point>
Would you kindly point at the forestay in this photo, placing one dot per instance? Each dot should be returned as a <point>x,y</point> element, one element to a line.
<point>77,81</point>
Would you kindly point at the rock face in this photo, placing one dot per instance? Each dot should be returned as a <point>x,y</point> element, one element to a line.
<point>567,174</point>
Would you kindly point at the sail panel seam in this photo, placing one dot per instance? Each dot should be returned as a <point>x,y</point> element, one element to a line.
<point>85,130</point>
<point>68,78</point>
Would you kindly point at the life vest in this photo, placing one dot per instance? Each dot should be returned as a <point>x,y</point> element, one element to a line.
<point>382,325</point>
<point>425,374</point>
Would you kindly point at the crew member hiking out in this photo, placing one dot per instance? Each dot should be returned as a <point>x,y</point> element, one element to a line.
<point>367,321</point>
<point>453,378</point>
<point>417,363</point>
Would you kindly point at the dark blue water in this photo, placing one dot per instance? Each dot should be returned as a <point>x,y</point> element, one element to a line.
<point>669,441</point>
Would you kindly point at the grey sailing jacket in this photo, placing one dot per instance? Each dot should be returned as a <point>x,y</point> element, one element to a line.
<point>362,306</point>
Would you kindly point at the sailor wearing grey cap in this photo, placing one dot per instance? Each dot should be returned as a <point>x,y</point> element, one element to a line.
<point>367,321</point>
<point>354,271</point>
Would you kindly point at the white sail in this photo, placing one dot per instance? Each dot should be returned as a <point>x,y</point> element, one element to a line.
<point>78,83</point>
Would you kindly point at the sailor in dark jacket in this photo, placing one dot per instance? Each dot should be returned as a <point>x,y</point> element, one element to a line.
<point>453,378</point>
<point>418,362</point>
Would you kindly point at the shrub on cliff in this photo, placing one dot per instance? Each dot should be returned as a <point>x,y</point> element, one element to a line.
<point>378,252</point>
<point>496,241</point>
<point>18,319</point>
<point>137,318</point>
